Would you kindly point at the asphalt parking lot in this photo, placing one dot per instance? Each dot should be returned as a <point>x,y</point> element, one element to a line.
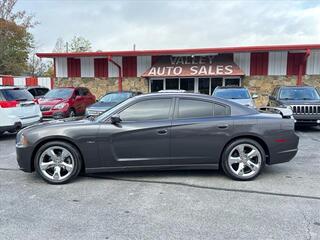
<point>282,203</point>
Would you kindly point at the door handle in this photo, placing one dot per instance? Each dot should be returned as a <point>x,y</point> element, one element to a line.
<point>162,131</point>
<point>223,126</point>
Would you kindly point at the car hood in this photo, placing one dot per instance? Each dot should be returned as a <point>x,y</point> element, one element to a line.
<point>50,102</point>
<point>102,106</point>
<point>300,102</point>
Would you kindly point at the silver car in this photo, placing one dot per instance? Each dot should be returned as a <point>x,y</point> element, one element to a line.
<point>239,95</point>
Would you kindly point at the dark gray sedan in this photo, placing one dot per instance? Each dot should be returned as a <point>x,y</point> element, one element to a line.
<point>160,131</point>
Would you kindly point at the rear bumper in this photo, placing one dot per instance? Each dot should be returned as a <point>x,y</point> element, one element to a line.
<point>283,148</point>
<point>24,158</point>
<point>29,121</point>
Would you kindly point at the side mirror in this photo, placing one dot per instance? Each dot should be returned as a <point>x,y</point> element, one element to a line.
<point>115,119</point>
<point>254,96</point>
<point>271,98</point>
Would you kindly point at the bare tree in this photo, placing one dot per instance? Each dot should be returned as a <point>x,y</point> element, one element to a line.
<point>80,44</point>
<point>59,46</point>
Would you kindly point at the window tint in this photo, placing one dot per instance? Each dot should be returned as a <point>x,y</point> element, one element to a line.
<point>83,91</point>
<point>42,91</point>
<point>147,110</point>
<point>33,92</point>
<point>220,110</point>
<point>16,94</point>
<point>194,109</point>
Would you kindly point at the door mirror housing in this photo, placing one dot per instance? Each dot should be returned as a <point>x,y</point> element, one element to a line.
<point>115,119</point>
<point>255,96</point>
<point>272,98</point>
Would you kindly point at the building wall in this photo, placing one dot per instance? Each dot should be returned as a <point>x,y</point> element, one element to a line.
<point>100,86</point>
<point>262,85</point>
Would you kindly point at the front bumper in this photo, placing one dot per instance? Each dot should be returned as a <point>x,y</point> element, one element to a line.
<point>9,128</point>
<point>56,114</point>
<point>24,158</point>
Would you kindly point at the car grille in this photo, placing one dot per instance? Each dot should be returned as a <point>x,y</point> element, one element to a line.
<point>305,109</point>
<point>45,108</point>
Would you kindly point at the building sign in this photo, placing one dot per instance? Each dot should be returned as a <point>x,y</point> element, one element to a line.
<point>193,66</point>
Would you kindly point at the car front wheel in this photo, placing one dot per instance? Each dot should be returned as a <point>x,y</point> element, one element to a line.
<point>243,159</point>
<point>57,162</point>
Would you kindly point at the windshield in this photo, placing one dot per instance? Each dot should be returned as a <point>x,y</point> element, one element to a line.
<point>232,93</point>
<point>115,97</point>
<point>299,94</point>
<point>16,95</point>
<point>63,93</point>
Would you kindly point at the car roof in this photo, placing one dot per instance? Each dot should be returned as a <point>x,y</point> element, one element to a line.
<point>11,87</point>
<point>305,86</point>
<point>230,87</point>
<point>124,92</point>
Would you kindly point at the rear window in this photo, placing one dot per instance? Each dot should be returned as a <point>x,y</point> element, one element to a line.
<point>16,95</point>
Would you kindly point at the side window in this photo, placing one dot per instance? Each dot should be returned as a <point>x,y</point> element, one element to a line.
<point>77,92</point>
<point>158,109</point>
<point>220,110</point>
<point>84,92</point>
<point>42,91</point>
<point>33,92</point>
<point>194,109</point>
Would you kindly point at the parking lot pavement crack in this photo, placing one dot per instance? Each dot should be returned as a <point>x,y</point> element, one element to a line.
<point>308,225</point>
<point>207,187</point>
<point>9,169</point>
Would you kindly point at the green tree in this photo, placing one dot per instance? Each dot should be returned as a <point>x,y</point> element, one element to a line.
<point>79,44</point>
<point>16,41</point>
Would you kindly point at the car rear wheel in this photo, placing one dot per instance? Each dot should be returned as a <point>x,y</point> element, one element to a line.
<point>57,162</point>
<point>243,159</point>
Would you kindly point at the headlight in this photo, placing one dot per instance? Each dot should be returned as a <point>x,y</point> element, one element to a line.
<point>22,141</point>
<point>60,105</point>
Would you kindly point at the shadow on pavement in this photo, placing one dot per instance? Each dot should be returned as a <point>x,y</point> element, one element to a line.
<point>307,129</point>
<point>7,136</point>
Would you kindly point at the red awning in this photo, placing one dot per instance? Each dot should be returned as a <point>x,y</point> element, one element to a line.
<point>193,67</point>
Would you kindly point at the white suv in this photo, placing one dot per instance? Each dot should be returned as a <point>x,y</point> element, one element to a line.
<point>17,109</point>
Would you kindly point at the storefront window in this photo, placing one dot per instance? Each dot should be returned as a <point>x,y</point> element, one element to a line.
<point>187,84</point>
<point>172,83</point>
<point>215,82</point>
<point>232,81</point>
<point>156,85</point>
<point>204,85</point>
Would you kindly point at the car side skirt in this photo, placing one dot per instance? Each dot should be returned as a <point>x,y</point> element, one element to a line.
<point>155,167</point>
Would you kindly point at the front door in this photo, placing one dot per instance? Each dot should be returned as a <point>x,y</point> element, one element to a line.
<point>200,129</point>
<point>142,137</point>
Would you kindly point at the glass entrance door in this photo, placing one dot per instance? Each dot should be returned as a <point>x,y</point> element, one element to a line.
<point>156,85</point>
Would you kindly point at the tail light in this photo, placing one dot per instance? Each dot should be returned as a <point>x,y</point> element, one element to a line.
<point>8,104</point>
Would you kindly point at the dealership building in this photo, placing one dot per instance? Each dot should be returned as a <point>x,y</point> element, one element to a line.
<point>260,68</point>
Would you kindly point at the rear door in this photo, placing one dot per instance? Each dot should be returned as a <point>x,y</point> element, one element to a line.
<point>143,136</point>
<point>200,130</point>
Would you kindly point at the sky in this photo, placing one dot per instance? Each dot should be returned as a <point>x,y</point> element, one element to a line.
<point>168,24</point>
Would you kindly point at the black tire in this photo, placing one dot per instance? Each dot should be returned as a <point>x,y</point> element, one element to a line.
<point>75,154</point>
<point>224,160</point>
<point>72,113</point>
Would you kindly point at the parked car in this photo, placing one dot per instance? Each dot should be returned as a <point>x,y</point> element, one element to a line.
<point>66,102</point>
<point>239,95</point>
<point>17,109</point>
<point>303,100</point>
<point>38,91</point>
<point>160,131</point>
<point>108,101</point>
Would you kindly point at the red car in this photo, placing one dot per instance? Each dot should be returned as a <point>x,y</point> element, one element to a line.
<point>66,102</point>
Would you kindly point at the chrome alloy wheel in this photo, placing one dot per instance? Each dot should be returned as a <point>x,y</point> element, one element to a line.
<point>245,160</point>
<point>56,163</point>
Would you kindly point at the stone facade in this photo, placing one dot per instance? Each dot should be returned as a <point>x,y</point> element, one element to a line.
<point>100,86</point>
<point>261,85</point>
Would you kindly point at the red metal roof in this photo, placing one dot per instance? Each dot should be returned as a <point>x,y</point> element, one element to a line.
<point>184,51</point>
